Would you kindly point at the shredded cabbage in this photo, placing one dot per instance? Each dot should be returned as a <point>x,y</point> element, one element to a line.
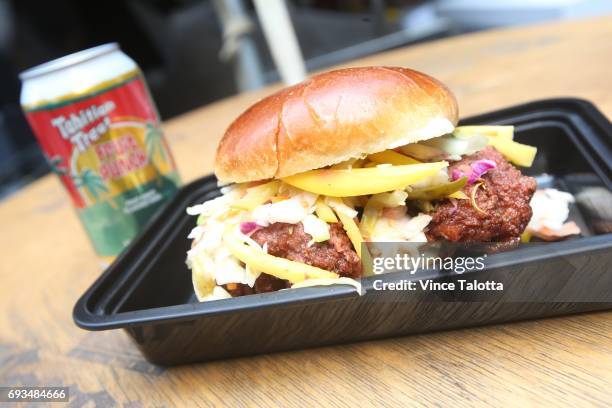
<point>196,233</point>
<point>229,270</point>
<point>399,229</point>
<point>211,263</point>
<point>257,195</point>
<point>214,207</point>
<point>339,206</point>
<point>550,209</point>
<point>316,228</point>
<point>291,211</point>
<point>202,275</point>
<point>393,199</point>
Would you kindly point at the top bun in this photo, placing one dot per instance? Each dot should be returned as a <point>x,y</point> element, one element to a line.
<point>332,117</point>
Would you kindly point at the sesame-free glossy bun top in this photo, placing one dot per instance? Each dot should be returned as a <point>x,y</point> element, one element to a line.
<point>332,117</point>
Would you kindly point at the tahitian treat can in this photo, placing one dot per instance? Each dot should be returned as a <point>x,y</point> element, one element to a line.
<point>99,129</point>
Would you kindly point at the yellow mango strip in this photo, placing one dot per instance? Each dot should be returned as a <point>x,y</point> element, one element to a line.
<point>525,237</point>
<point>392,157</point>
<point>258,195</point>
<point>280,267</point>
<point>503,132</point>
<point>363,181</point>
<point>324,212</point>
<point>460,195</point>
<point>517,153</point>
<point>501,138</point>
<point>349,224</point>
<point>370,216</point>
<point>353,232</point>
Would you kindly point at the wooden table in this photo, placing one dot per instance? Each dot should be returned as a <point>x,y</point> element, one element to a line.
<point>47,262</point>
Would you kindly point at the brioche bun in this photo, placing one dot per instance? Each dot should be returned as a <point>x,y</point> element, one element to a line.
<point>332,117</point>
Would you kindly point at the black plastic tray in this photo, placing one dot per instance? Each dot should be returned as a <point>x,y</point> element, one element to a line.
<point>148,291</point>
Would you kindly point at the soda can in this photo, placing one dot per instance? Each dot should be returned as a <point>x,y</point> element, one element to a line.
<point>99,129</point>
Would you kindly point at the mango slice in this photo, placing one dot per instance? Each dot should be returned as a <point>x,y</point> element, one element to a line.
<point>370,216</point>
<point>517,153</point>
<point>459,195</point>
<point>324,212</point>
<point>280,267</point>
<point>501,138</point>
<point>258,195</point>
<point>503,132</point>
<point>348,222</point>
<point>364,181</point>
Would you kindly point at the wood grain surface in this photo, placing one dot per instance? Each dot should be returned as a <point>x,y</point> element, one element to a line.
<point>46,263</point>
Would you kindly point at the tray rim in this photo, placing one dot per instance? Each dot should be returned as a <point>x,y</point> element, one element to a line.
<point>85,318</point>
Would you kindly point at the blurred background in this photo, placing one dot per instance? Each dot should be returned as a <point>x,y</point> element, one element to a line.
<point>194,52</point>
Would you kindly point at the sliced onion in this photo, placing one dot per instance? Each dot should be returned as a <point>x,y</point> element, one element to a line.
<point>457,174</point>
<point>478,169</point>
<point>249,227</point>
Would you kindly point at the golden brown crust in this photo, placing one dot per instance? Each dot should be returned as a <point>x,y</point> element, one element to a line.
<point>332,117</point>
<point>247,151</point>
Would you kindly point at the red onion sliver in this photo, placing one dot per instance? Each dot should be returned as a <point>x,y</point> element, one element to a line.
<point>248,227</point>
<point>479,168</point>
<point>456,174</point>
